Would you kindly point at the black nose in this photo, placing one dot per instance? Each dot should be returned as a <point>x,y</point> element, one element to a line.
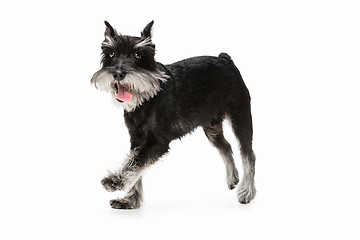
<point>119,75</point>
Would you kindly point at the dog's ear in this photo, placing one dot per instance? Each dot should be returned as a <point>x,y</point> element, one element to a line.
<point>109,31</point>
<point>146,33</point>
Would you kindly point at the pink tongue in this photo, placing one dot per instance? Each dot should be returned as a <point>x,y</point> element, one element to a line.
<point>123,94</point>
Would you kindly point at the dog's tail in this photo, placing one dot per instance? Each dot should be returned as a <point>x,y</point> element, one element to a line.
<point>224,55</point>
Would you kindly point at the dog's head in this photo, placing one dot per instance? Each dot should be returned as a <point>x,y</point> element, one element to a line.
<point>129,71</point>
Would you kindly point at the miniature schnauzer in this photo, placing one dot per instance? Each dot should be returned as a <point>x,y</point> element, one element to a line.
<point>164,102</point>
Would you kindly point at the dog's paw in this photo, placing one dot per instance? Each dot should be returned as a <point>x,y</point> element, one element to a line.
<point>232,184</point>
<point>112,183</point>
<point>233,179</point>
<point>246,194</point>
<point>121,204</point>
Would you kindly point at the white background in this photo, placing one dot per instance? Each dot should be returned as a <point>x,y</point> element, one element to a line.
<point>300,61</point>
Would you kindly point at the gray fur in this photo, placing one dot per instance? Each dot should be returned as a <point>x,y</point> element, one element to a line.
<point>144,85</point>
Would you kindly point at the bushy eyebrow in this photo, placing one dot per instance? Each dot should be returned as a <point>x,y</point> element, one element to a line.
<point>108,42</point>
<point>143,43</point>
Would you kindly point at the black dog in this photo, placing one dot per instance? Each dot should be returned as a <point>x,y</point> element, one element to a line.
<point>165,102</point>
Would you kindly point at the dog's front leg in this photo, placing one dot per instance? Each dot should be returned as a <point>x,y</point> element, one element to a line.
<point>129,177</point>
<point>124,178</point>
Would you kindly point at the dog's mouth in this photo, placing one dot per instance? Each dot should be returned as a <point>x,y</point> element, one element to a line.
<point>123,93</point>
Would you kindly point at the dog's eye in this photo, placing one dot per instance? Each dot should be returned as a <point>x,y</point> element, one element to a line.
<point>112,54</point>
<point>137,56</point>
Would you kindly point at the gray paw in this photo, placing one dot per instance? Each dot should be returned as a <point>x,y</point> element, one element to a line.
<point>112,183</point>
<point>233,183</point>
<point>246,193</point>
<point>121,204</point>
<point>233,180</point>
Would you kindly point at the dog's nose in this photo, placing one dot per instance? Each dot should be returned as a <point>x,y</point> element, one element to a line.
<point>119,75</point>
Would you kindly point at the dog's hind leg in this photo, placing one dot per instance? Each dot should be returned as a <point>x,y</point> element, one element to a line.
<point>241,122</point>
<point>214,133</point>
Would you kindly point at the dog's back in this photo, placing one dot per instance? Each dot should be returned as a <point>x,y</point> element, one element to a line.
<point>200,87</point>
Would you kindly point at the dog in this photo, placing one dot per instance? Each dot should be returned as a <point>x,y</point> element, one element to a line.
<point>165,102</point>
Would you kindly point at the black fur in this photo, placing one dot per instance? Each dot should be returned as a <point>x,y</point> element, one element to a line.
<point>199,91</point>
